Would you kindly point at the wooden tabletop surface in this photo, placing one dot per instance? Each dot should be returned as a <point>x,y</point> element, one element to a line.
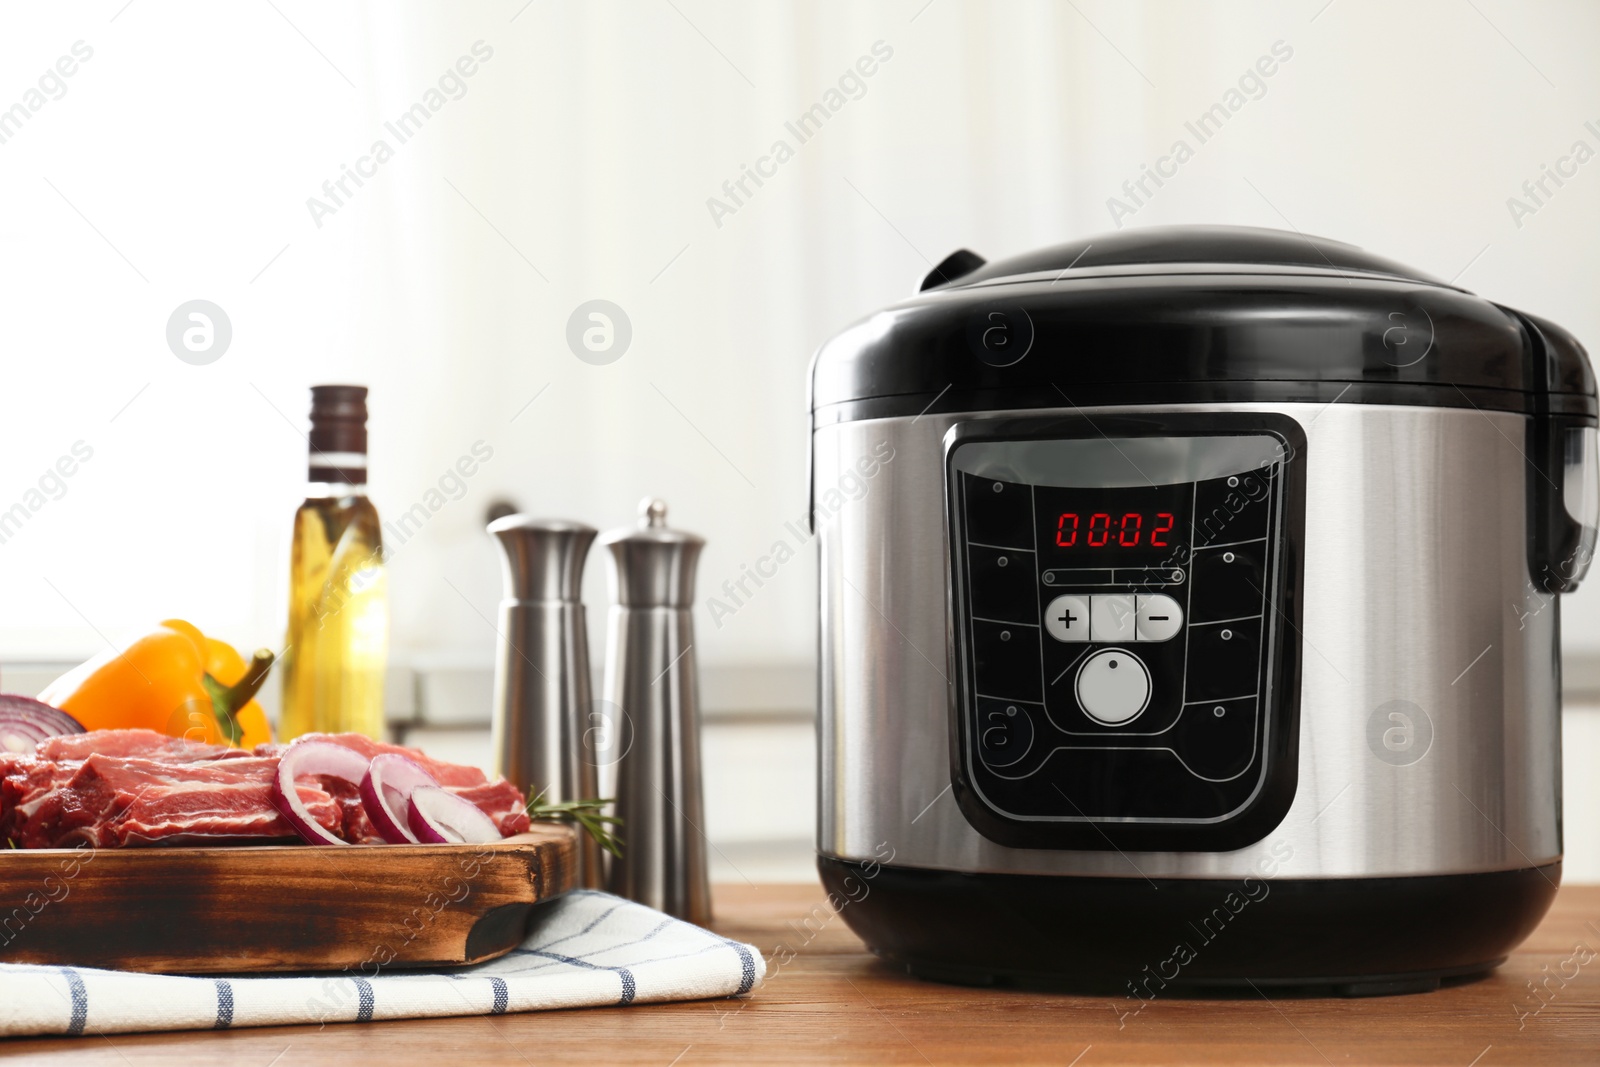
<point>834,1003</point>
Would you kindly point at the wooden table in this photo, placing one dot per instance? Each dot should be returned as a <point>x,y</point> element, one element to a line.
<point>834,1003</point>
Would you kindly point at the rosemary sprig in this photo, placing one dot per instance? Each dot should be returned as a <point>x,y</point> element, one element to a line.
<point>589,814</point>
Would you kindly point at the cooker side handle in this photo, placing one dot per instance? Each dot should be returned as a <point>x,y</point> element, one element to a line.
<point>1563,497</point>
<point>1564,488</point>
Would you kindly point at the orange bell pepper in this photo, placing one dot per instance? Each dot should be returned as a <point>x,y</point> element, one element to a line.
<point>174,680</point>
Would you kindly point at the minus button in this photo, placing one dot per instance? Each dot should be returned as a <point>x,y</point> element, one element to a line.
<point>1157,617</point>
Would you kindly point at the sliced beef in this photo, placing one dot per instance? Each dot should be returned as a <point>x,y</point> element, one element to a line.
<point>354,825</point>
<point>501,801</point>
<point>138,787</point>
<point>112,800</point>
<point>446,774</point>
<point>142,744</point>
<point>27,782</point>
<point>11,763</point>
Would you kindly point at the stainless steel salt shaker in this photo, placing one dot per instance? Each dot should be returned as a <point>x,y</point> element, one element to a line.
<point>541,677</point>
<point>652,686</point>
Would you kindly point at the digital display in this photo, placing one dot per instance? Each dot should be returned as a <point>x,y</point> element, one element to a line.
<point>1102,529</point>
<point>1125,526</point>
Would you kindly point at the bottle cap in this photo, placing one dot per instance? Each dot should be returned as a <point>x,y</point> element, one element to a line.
<point>339,434</point>
<point>652,565</point>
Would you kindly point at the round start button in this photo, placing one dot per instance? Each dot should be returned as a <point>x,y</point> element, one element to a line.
<point>1113,687</point>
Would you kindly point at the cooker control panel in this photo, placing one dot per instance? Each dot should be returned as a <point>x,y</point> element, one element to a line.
<point>1121,606</point>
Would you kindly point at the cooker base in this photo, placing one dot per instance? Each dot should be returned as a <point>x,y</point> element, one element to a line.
<point>1147,938</point>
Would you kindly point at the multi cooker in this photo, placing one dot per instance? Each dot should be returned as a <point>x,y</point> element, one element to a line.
<point>1189,616</point>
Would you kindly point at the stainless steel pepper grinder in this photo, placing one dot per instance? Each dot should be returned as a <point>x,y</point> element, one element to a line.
<point>541,677</point>
<point>652,686</point>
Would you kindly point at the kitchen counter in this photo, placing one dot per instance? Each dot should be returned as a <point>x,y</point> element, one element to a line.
<point>833,1002</point>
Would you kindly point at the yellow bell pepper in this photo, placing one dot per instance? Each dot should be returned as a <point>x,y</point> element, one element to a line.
<point>174,680</point>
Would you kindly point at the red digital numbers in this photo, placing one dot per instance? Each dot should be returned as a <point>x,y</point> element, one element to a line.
<point>1128,530</point>
<point>1131,524</point>
<point>1166,520</point>
<point>1066,538</point>
<point>1099,529</point>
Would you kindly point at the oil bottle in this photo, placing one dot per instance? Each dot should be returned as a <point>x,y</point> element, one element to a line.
<point>337,645</point>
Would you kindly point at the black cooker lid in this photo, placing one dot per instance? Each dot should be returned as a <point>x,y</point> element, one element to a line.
<point>1187,314</point>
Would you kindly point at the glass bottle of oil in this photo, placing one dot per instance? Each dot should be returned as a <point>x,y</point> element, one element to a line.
<point>337,647</point>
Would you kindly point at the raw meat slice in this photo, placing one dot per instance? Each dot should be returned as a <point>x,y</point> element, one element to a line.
<point>501,801</point>
<point>25,785</point>
<point>26,781</point>
<point>113,800</point>
<point>142,744</point>
<point>11,764</point>
<point>446,774</point>
<point>355,827</point>
<point>138,787</point>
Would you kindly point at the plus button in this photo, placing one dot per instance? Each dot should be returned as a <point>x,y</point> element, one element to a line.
<point>1066,618</point>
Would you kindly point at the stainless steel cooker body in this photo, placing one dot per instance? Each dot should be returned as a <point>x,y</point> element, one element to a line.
<point>1429,681</point>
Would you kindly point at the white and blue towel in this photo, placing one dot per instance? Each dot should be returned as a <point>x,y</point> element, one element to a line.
<point>586,949</point>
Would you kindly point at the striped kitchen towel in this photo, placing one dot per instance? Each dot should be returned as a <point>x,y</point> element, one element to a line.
<point>583,950</point>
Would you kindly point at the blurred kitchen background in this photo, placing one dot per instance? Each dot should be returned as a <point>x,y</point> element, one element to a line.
<point>602,151</point>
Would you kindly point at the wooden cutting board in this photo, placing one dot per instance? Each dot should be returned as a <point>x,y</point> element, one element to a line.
<point>279,907</point>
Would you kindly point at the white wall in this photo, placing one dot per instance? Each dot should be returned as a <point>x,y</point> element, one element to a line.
<point>578,165</point>
<point>585,150</point>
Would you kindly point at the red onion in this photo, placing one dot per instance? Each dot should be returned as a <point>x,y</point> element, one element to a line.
<point>438,816</point>
<point>307,758</point>
<point>386,795</point>
<point>24,722</point>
